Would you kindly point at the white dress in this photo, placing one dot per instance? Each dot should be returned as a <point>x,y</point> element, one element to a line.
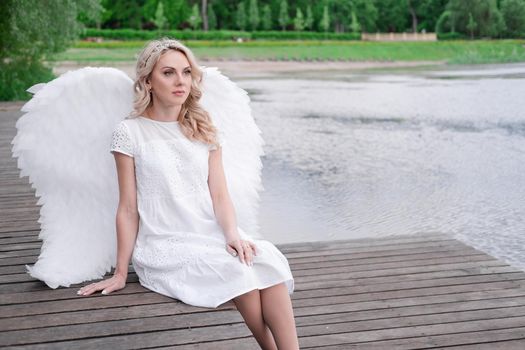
<point>180,250</point>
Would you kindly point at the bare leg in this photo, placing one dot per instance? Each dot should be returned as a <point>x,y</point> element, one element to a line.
<point>249,305</point>
<point>278,314</point>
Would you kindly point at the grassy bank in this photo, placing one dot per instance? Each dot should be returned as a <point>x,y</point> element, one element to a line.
<point>455,52</point>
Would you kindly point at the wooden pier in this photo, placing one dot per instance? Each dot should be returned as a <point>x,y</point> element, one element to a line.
<point>405,292</point>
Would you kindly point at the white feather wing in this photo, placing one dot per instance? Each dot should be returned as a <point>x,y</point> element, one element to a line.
<point>62,144</point>
<point>229,108</point>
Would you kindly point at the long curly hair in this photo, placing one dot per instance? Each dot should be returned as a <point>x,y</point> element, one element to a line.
<point>194,121</point>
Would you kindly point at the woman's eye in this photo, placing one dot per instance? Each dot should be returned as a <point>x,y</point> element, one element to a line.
<point>188,72</point>
<point>167,73</point>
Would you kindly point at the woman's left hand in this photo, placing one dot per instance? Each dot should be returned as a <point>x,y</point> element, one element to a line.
<point>243,248</point>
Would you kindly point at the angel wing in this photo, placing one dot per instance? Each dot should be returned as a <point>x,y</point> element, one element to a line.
<point>62,144</point>
<point>229,108</point>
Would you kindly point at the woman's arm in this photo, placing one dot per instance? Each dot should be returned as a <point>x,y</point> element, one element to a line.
<point>127,213</point>
<point>222,204</point>
<point>127,222</point>
<point>224,209</point>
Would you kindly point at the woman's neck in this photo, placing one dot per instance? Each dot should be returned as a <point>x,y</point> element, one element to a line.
<point>163,113</point>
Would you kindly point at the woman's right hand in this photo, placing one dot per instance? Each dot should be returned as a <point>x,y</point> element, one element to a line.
<point>106,286</point>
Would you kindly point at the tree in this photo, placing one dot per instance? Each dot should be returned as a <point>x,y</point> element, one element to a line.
<point>355,27</point>
<point>212,18</point>
<point>392,15</point>
<point>241,16</point>
<point>513,12</point>
<point>412,11</point>
<point>176,12</point>
<point>284,18</point>
<point>253,15</point>
<point>123,13</point>
<point>367,14</point>
<point>160,20</point>
<point>31,31</point>
<point>325,20</point>
<point>195,18</point>
<point>204,11</point>
<point>471,25</point>
<point>340,12</point>
<point>444,23</point>
<point>266,20</point>
<point>425,13</point>
<point>298,22</point>
<point>485,13</point>
<point>309,21</point>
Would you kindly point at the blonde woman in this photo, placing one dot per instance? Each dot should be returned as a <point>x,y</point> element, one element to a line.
<point>175,218</point>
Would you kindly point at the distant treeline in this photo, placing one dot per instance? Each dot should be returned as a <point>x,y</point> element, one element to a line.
<point>471,18</point>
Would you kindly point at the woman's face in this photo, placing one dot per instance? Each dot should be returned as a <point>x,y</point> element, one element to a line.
<point>170,80</point>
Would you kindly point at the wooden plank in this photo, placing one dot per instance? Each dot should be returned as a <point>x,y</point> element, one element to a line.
<point>316,314</point>
<point>439,333</point>
<point>438,341</point>
<point>306,326</point>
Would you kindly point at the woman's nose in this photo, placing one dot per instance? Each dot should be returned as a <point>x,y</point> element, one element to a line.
<point>178,78</point>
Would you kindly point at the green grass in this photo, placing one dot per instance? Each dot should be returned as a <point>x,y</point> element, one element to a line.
<point>455,52</point>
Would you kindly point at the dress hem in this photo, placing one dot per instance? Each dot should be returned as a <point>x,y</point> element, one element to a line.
<point>236,294</point>
<point>253,288</point>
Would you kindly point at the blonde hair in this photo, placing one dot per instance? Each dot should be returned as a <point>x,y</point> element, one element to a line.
<point>194,121</point>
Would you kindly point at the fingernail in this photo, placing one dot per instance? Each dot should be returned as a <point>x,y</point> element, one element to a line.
<point>104,292</point>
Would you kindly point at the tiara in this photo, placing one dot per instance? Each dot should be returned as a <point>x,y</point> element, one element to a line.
<point>163,45</point>
<point>159,47</point>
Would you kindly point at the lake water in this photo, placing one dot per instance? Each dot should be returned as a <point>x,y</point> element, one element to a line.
<point>373,154</point>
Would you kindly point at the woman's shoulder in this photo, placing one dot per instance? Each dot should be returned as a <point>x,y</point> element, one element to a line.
<point>130,121</point>
<point>130,124</point>
<point>127,127</point>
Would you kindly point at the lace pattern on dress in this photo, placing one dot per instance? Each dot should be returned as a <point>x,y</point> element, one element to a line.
<point>162,164</point>
<point>168,259</point>
<point>121,140</point>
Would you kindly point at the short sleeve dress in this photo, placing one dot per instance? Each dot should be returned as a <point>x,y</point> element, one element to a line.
<point>180,247</point>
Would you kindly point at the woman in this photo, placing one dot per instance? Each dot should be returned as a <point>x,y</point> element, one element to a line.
<point>175,219</point>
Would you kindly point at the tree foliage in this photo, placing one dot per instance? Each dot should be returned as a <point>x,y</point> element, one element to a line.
<point>31,31</point>
<point>195,19</point>
<point>241,18</point>
<point>253,15</point>
<point>494,18</point>
<point>212,18</point>
<point>160,20</point>
<point>284,17</point>
<point>266,19</point>
<point>298,22</point>
<point>485,13</point>
<point>513,12</point>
